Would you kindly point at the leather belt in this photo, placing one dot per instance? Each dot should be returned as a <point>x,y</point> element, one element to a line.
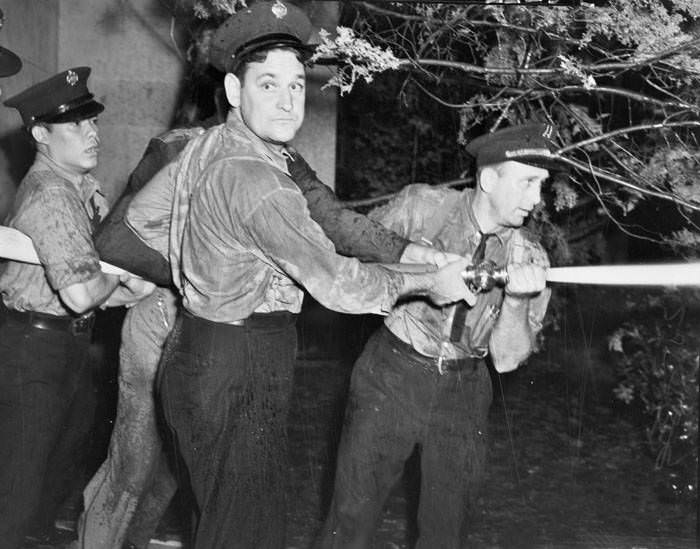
<point>74,325</point>
<point>431,364</point>
<point>255,320</point>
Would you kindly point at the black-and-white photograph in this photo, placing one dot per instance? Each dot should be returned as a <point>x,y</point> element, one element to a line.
<point>352,274</point>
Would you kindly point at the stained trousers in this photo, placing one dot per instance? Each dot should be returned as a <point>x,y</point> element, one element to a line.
<point>225,392</point>
<point>129,494</point>
<point>397,400</point>
<point>47,409</point>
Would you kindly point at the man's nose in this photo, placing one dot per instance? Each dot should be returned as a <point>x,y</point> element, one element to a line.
<point>535,194</point>
<point>91,129</point>
<point>284,100</point>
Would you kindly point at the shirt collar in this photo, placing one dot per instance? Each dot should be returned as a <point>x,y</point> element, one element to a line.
<point>276,157</point>
<point>43,161</point>
<point>85,184</point>
<point>501,234</point>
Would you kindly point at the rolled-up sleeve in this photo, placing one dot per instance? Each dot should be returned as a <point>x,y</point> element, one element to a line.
<point>61,233</point>
<point>297,245</point>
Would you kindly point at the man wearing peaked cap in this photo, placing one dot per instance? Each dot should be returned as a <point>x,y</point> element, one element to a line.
<point>129,474</point>
<point>47,310</point>
<point>422,378</point>
<point>249,245</point>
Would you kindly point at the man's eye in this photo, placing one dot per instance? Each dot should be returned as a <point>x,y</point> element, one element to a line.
<point>268,86</point>
<point>299,86</point>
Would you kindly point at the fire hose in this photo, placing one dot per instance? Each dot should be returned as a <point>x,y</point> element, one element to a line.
<point>17,246</point>
<point>486,275</point>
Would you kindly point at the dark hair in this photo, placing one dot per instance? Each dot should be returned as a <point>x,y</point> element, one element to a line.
<point>259,56</point>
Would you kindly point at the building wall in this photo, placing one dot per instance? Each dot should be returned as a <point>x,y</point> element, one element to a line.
<point>317,138</point>
<point>136,70</point>
<point>37,45</point>
<point>136,73</point>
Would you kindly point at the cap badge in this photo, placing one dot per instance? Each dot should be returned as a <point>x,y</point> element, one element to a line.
<point>71,78</point>
<point>279,9</point>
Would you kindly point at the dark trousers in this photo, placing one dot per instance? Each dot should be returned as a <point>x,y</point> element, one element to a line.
<point>225,393</point>
<point>47,406</point>
<point>397,400</point>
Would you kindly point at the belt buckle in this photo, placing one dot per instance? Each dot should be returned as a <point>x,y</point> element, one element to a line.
<point>440,363</point>
<point>80,325</point>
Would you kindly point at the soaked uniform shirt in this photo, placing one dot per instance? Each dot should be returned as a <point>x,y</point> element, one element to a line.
<point>58,210</point>
<point>242,240</point>
<point>443,218</point>
<point>149,212</point>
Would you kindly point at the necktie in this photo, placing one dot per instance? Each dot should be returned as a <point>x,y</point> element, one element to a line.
<point>461,308</point>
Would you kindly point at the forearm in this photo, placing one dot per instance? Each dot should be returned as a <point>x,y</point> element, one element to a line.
<point>411,267</point>
<point>352,234</point>
<point>85,296</point>
<point>512,338</point>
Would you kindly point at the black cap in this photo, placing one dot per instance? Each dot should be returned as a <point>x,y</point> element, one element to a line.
<point>528,143</point>
<point>261,26</point>
<point>61,98</point>
<point>9,62</point>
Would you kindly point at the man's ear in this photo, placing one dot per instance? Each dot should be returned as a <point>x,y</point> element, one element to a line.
<point>40,133</point>
<point>232,86</point>
<point>488,178</point>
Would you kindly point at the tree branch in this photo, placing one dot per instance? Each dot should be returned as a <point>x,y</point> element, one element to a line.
<point>613,179</point>
<point>629,94</point>
<point>384,197</point>
<point>593,69</point>
<point>642,62</point>
<point>474,22</point>
<point>630,129</point>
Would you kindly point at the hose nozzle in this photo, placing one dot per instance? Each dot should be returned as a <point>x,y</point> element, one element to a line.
<point>484,276</point>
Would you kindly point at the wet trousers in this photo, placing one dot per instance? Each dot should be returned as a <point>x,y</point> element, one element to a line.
<point>129,494</point>
<point>47,409</point>
<point>225,392</point>
<point>397,400</point>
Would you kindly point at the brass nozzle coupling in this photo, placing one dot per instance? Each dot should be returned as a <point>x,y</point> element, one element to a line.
<point>484,276</point>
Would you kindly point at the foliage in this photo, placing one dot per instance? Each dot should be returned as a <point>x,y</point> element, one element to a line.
<point>656,356</point>
<point>346,46</point>
<point>620,82</point>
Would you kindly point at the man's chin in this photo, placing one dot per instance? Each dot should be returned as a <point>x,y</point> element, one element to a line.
<point>516,221</point>
<point>280,140</point>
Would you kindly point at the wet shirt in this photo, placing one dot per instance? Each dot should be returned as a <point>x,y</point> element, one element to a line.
<point>242,240</point>
<point>58,210</point>
<point>150,209</point>
<point>352,234</point>
<point>443,218</point>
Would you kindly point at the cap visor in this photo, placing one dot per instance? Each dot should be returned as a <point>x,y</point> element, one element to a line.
<point>272,42</point>
<point>544,162</point>
<point>9,62</point>
<point>88,110</point>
